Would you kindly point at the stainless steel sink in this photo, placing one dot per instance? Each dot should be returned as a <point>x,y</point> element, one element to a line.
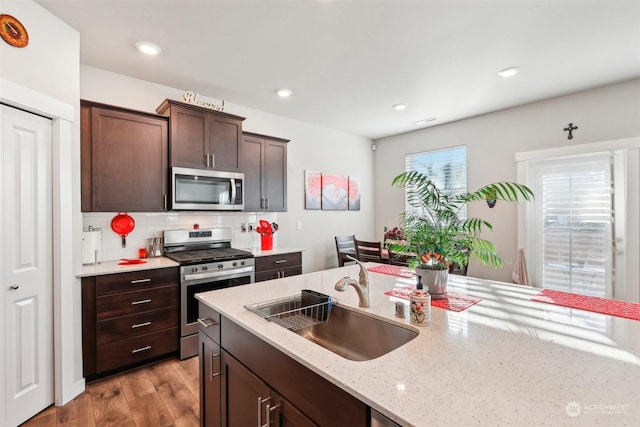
<point>357,336</point>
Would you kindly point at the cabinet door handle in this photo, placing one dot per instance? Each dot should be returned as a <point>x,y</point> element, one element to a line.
<point>280,261</point>
<point>260,402</point>
<point>269,410</point>
<point>206,159</point>
<point>213,160</point>
<point>261,203</point>
<point>266,203</point>
<point>164,201</point>
<point>140,325</point>
<point>133,282</point>
<point>211,356</point>
<point>205,324</point>
<point>138,350</point>
<point>142,301</point>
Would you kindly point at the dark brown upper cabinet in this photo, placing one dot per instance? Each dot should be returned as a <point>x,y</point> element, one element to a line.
<point>202,138</point>
<point>124,163</point>
<point>264,163</point>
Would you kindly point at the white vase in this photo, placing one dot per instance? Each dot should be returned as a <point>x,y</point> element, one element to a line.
<point>435,281</point>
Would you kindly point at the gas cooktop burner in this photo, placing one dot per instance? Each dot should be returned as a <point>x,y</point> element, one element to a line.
<point>209,255</point>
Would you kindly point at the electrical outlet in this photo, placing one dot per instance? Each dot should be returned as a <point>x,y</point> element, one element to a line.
<point>299,225</point>
<point>243,227</point>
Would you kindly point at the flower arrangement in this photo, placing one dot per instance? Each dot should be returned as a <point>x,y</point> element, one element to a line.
<point>395,233</point>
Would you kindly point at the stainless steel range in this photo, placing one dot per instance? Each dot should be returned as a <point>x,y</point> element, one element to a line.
<point>207,262</point>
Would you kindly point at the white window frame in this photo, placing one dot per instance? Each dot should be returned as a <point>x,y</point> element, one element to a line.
<point>626,285</point>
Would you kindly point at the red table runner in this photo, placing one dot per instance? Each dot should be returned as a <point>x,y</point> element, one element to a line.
<point>453,302</point>
<point>392,270</point>
<point>612,307</point>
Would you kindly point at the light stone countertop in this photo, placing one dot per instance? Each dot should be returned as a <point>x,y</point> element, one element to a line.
<point>277,250</point>
<point>111,267</point>
<point>505,361</point>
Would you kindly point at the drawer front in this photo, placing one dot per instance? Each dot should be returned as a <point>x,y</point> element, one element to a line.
<point>135,350</point>
<point>278,262</point>
<point>135,325</point>
<point>278,274</point>
<point>128,303</point>
<point>211,318</point>
<point>135,280</point>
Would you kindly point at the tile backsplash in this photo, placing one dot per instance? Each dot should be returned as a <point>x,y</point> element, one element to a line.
<point>153,225</point>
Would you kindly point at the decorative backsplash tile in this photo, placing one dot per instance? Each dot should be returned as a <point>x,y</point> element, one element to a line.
<point>153,225</point>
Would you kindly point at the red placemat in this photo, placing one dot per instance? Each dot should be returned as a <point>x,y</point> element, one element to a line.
<point>453,302</point>
<point>612,307</point>
<point>392,270</point>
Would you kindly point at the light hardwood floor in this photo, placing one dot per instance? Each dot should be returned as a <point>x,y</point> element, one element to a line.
<point>163,394</point>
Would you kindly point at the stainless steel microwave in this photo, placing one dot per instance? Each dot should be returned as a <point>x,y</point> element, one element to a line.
<point>206,190</point>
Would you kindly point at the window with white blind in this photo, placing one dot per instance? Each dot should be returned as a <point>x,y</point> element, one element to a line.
<point>447,168</point>
<point>571,218</point>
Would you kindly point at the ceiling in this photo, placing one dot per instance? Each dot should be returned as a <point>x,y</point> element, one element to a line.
<point>349,62</point>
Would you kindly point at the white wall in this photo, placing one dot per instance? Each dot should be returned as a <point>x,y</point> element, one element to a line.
<point>43,77</point>
<point>311,148</point>
<point>601,114</point>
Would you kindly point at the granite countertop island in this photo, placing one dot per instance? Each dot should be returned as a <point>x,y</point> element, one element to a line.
<point>504,361</point>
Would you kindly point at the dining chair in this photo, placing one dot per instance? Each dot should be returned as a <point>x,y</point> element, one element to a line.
<point>396,258</point>
<point>457,269</point>
<point>345,245</point>
<point>369,251</point>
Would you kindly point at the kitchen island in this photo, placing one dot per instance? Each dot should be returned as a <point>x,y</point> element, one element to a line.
<point>504,361</point>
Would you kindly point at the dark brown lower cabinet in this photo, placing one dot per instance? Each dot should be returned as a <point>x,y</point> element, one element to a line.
<point>210,357</point>
<point>260,385</point>
<point>243,391</point>
<point>278,266</point>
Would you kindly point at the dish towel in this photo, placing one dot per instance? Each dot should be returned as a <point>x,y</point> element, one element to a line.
<point>520,273</point>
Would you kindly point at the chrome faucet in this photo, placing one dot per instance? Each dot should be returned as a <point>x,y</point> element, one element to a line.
<point>361,286</point>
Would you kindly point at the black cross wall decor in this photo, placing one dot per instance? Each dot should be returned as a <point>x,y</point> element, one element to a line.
<point>570,127</point>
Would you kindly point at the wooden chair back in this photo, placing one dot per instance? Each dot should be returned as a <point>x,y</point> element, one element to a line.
<point>345,245</point>
<point>369,251</point>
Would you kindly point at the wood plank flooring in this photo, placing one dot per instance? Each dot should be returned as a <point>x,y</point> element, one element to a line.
<point>163,394</point>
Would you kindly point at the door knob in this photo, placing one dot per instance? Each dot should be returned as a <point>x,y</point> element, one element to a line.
<point>14,287</point>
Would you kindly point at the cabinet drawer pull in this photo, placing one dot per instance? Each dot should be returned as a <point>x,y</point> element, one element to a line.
<point>280,261</point>
<point>133,282</point>
<point>142,301</point>
<point>138,350</point>
<point>205,324</point>
<point>139,325</point>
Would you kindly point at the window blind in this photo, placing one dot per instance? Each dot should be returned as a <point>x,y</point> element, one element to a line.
<point>447,168</point>
<point>573,220</point>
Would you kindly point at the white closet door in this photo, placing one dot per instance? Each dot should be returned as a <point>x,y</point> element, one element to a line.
<point>26,254</point>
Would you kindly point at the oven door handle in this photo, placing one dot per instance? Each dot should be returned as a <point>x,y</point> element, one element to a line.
<point>214,274</point>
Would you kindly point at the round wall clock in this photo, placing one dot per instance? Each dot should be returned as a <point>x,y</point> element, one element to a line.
<point>13,32</point>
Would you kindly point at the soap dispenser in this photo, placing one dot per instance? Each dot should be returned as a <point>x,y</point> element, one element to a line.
<point>420,305</point>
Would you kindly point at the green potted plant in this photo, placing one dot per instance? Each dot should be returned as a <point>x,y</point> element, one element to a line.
<point>436,235</point>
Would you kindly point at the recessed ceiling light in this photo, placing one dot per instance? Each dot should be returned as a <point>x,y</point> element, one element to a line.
<point>399,107</point>
<point>423,121</point>
<point>284,93</point>
<point>508,72</point>
<point>148,48</point>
